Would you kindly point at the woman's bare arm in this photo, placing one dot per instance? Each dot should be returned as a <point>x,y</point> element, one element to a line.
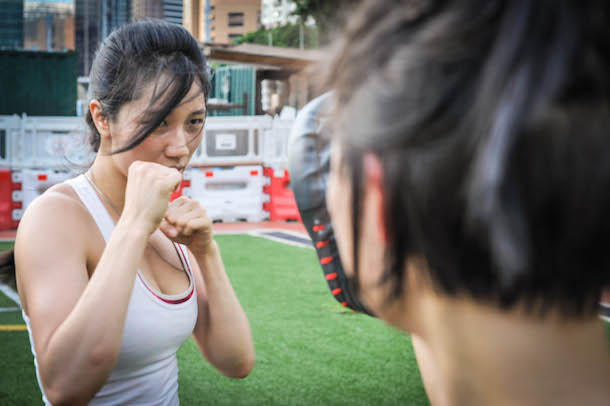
<point>77,323</point>
<point>222,331</point>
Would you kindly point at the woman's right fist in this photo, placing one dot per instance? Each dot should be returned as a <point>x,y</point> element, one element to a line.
<point>147,194</point>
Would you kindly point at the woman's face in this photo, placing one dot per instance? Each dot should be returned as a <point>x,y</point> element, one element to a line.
<point>172,143</point>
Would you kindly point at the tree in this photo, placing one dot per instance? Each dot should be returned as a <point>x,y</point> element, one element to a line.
<point>328,14</point>
<point>286,36</point>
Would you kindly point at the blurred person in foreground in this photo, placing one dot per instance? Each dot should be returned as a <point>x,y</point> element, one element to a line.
<point>470,190</point>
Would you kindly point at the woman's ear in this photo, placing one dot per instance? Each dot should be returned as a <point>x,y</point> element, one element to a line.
<point>99,118</point>
<point>374,192</point>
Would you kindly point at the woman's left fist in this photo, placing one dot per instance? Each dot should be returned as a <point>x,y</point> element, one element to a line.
<point>186,222</point>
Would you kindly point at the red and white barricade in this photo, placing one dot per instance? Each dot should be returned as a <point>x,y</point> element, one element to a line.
<point>28,184</point>
<point>281,205</point>
<point>10,210</point>
<point>229,193</point>
<point>242,146</point>
<point>185,186</point>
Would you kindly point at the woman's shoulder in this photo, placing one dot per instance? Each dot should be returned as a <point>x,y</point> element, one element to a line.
<point>60,196</point>
<point>57,208</point>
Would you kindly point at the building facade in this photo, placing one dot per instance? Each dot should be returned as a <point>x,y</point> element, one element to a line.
<point>168,10</point>
<point>94,21</point>
<point>193,14</point>
<point>48,26</point>
<point>11,24</point>
<point>226,20</point>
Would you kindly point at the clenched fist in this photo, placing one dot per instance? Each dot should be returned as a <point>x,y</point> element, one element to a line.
<point>149,187</point>
<point>186,222</point>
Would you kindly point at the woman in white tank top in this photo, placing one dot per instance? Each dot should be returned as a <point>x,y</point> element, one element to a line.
<point>113,277</point>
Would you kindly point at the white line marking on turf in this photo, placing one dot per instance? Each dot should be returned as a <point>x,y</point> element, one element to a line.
<point>298,234</point>
<point>10,293</point>
<point>262,234</point>
<point>9,309</point>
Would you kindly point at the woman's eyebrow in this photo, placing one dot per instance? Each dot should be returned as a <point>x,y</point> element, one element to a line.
<point>197,112</point>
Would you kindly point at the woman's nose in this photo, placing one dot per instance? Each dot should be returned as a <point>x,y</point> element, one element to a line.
<point>178,144</point>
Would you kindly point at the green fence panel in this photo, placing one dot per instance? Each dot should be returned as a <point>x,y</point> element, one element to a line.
<point>238,80</point>
<point>38,83</point>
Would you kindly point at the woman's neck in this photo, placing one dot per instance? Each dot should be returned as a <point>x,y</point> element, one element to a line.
<point>472,354</point>
<point>110,181</point>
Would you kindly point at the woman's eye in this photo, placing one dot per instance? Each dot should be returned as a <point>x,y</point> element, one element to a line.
<point>196,121</point>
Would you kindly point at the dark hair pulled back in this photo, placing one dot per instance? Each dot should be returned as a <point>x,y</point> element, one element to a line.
<point>129,59</point>
<point>136,55</point>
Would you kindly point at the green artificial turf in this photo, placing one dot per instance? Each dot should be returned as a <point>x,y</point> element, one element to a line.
<point>4,245</point>
<point>309,349</point>
<point>18,385</point>
<point>5,301</point>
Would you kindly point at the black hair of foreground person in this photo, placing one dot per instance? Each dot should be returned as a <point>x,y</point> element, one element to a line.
<point>492,123</point>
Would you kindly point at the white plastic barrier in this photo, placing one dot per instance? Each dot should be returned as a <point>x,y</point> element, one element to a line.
<point>33,184</point>
<point>230,193</point>
<point>50,142</point>
<point>61,142</point>
<point>276,143</point>
<point>232,141</point>
<point>10,126</point>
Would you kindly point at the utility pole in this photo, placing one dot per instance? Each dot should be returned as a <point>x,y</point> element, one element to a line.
<point>301,35</point>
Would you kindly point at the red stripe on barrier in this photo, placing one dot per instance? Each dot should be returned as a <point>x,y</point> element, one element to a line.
<point>326,260</point>
<point>336,291</point>
<point>253,173</point>
<point>331,276</point>
<point>322,244</point>
<point>42,177</point>
<point>318,227</point>
<point>209,174</point>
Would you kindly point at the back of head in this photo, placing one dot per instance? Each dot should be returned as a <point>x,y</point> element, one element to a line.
<point>491,120</point>
<point>136,55</point>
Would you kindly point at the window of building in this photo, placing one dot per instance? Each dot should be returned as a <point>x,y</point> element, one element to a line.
<point>236,19</point>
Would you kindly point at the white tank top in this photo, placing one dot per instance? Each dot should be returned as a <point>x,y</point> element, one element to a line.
<point>146,372</point>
